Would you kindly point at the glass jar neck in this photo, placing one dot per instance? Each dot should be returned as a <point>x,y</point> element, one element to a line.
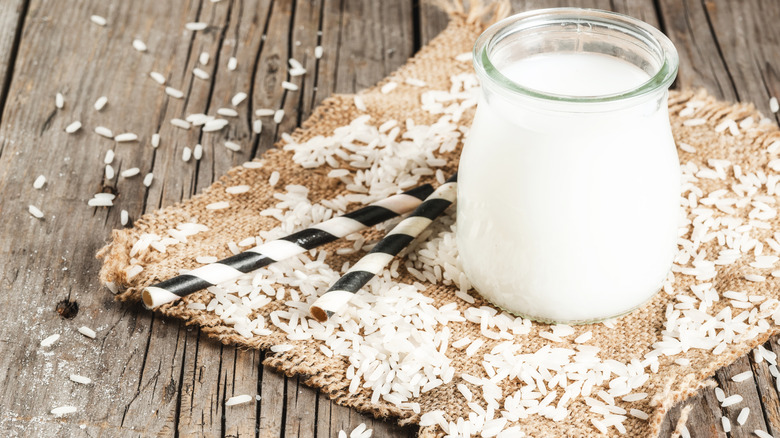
<point>578,31</point>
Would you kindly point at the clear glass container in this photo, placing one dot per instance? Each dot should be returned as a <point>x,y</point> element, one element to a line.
<point>569,180</point>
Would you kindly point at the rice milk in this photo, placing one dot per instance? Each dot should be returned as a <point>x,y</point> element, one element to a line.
<point>568,212</point>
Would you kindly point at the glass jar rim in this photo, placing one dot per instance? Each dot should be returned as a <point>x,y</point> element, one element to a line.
<point>662,79</point>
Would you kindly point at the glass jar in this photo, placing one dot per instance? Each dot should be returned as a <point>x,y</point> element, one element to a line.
<point>569,180</point>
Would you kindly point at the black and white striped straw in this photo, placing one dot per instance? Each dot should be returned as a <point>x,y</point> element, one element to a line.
<point>337,297</point>
<point>275,250</point>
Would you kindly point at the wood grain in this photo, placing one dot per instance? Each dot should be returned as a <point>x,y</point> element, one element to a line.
<point>12,15</point>
<point>154,376</point>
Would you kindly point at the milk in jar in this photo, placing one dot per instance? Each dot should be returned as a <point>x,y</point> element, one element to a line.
<point>569,181</point>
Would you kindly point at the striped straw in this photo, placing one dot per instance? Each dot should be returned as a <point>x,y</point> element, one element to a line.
<point>275,250</point>
<point>337,297</point>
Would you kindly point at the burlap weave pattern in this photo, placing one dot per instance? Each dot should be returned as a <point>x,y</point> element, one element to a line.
<point>631,338</point>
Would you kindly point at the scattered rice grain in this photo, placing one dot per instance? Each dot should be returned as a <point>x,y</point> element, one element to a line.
<point>200,73</point>
<point>131,172</point>
<point>97,19</point>
<point>158,77</point>
<point>88,332</point>
<point>80,379</point>
<point>35,211</point>
<point>63,410</point>
<point>100,103</point>
<point>179,123</point>
<point>239,400</point>
<point>177,94</point>
<point>139,45</point>
<point>73,127</point>
<point>50,340</point>
<point>196,26</point>
<point>238,98</point>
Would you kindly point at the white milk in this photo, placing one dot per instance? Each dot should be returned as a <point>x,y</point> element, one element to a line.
<point>568,215</point>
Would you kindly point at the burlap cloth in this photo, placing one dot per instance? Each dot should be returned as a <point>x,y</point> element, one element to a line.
<point>631,338</point>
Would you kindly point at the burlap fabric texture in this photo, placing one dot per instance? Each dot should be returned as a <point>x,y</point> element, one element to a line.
<point>631,338</point>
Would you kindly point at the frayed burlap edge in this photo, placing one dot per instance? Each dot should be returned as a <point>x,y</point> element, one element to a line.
<point>315,373</point>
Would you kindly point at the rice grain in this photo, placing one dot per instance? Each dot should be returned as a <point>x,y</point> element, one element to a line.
<point>196,26</point>
<point>200,73</point>
<point>388,87</point>
<point>131,172</point>
<point>158,77</point>
<point>238,98</point>
<point>227,112</point>
<point>179,123</point>
<point>80,379</point>
<point>177,94</point>
<point>88,332</point>
<point>73,127</point>
<point>239,400</point>
<point>743,416</point>
<point>63,410</point>
<point>35,211</point>
<point>218,205</point>
<point>126,137</point>
<point>235,190</point>
<point>100,103</point>
<point>731,400</point>
<point>50,340</point>
<point>97,19</point>
<point>139,45</point>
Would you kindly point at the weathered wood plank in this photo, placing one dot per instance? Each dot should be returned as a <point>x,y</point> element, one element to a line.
<point>272,405</point>
<point>768,389</point>
<point>701,65</point>
<point>12,14</point>
<point>431,21</point>
<point>748,391</point>
<point>52,52</point>
<point>749,40</point>
<point>725,56</point>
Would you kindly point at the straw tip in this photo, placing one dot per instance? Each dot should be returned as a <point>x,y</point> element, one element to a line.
<point>147,298</point>
<point>318,314</point>
<point>153,297</point>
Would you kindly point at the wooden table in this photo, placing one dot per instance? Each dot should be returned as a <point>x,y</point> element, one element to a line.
<point>155,376</point>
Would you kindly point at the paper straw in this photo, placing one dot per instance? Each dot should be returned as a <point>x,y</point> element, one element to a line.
<point>275,250</point>
<point>337,297</point>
